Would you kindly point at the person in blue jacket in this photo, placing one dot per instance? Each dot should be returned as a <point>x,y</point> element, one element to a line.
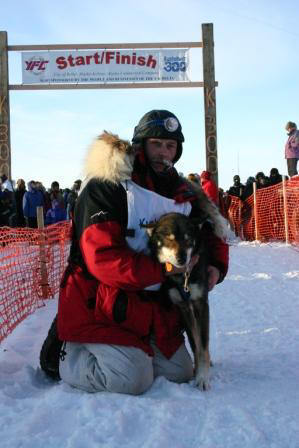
<point>56,213</point>
<point>32,198</point>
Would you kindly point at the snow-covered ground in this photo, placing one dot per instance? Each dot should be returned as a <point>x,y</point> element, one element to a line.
<point>253,402</point>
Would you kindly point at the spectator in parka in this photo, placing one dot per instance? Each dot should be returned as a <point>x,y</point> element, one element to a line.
<point>6,183</point>
<point>248,189</point>
<point>65,193</point>
<point>5,208</point>
<point>292,148</point>
<point>237,188</point>
<point>40,187</point>
<point>209,186</point>
<point>19,194</point>
<point>8,203</point>
<point>53,193</point>
<point>32,198</point>
<point>275,177</point>
<point>72,198</point>
<point>119,334</point>
<point>193,178</point>
<point>55,214</point>
<point>262,181</point>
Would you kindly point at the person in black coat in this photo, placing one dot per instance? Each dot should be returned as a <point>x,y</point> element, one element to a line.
<point>262,181</point>
<point>237,188</point>
<point>275,177</point>
<point>19,193</point>
<point>248,189</point>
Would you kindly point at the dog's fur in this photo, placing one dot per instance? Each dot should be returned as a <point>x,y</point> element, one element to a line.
<point>174,238</point>
<point>109,158</point>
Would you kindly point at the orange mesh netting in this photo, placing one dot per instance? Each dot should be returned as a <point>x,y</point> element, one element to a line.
<point>31,265</point>
<point>267,221</point>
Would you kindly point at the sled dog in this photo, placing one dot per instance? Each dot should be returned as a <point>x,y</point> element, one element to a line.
<point>173,240</point>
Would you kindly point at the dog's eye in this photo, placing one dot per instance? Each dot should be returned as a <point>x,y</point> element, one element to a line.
<point>189,240</point>
<point>159,243</point>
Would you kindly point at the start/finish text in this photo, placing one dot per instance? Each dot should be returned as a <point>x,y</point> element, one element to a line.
<point>106,57</point>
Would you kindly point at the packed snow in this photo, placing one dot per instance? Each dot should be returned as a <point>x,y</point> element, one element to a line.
<point>254,395</point>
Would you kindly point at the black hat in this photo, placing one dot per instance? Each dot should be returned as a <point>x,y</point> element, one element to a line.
<point>260,174</point>
<point>160,124</point>
<point>274,172</point>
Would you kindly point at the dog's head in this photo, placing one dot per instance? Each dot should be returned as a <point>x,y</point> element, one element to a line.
<point>173,238</point>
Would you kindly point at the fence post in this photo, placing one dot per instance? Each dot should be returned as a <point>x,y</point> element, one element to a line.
<point>241,233</point>
<point>42,253</point>
<point>285,209</point>
<point>255,212</point>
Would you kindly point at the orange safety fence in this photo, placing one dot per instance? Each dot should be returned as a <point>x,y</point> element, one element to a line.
<point>31,265</point>
<point>272,214</point>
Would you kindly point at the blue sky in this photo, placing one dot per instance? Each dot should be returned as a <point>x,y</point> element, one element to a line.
<point>256,64</point>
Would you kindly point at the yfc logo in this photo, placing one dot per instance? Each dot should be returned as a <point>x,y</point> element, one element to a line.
<point>36,65</point>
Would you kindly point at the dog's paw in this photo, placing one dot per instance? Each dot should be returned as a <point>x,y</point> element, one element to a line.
<point>202,380</point>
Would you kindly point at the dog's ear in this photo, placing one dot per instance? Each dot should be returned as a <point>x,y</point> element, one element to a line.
<point>149,227</point>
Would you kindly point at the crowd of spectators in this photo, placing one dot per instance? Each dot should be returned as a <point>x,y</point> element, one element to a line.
<point>243,191</point>
<point>18,204</point>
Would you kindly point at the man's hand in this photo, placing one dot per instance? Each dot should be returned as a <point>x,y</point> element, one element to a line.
<point>214,275</point>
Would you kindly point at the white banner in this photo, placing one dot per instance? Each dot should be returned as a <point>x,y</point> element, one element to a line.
<point>105,66</point>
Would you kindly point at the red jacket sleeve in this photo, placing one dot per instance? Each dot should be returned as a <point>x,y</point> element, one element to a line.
<point>110,260</point>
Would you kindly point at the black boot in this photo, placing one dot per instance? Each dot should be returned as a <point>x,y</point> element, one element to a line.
<point>49,355</point>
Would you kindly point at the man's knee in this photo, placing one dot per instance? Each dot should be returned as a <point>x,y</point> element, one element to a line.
<point>98,368</point>
<point>134,382</point>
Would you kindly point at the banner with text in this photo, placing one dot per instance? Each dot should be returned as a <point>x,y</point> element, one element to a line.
<point>105,66</point>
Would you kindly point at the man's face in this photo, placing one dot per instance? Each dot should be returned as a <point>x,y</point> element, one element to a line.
<point>159,150</point>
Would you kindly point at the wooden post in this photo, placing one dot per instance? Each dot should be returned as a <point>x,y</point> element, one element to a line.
<point>210,100</point>
<point>256,219</point>
<point>42,253</point>
<point>5,159</point>
<point>241,233</point>
<point>285,209</point>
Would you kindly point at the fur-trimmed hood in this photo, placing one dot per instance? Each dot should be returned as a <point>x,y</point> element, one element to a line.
<point>109,159</point>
